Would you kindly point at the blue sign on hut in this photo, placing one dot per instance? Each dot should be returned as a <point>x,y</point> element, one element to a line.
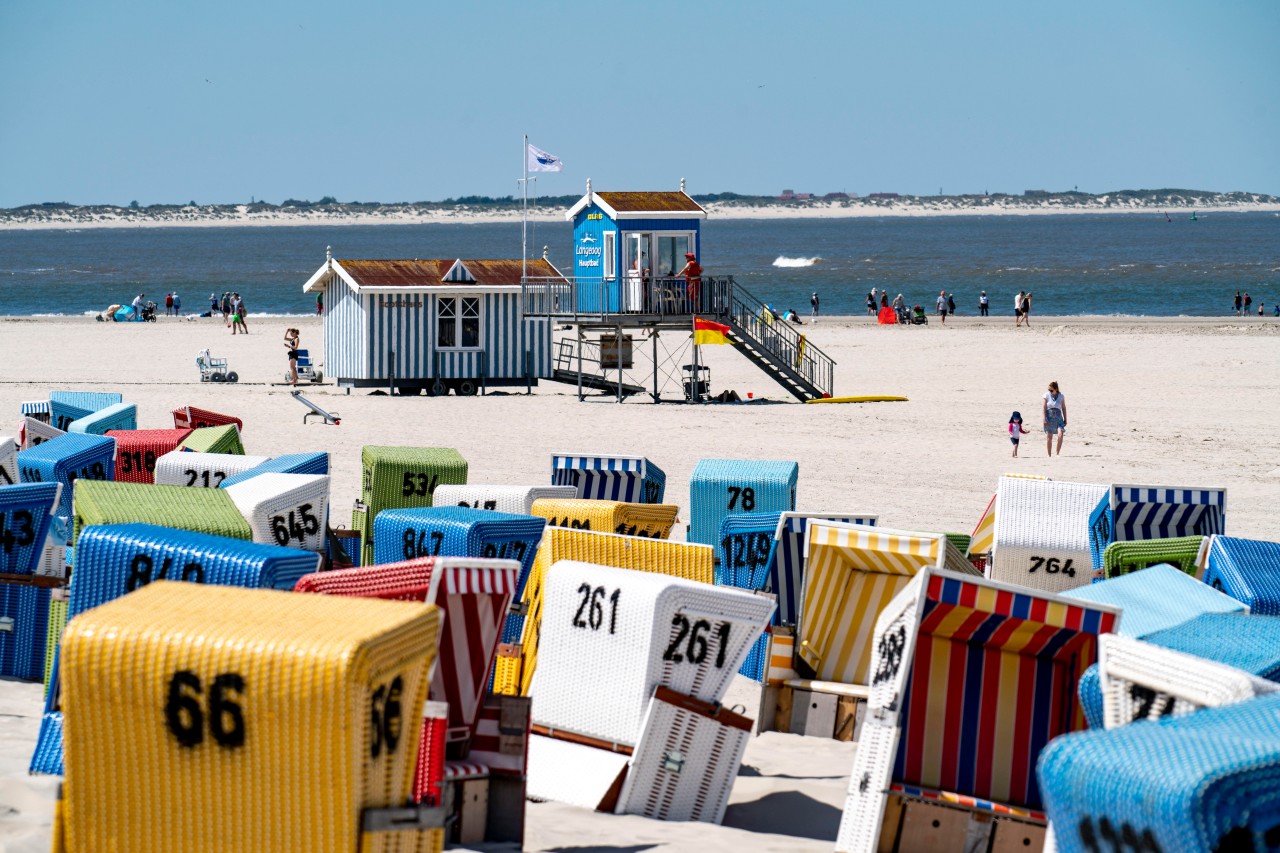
<point>431,325</point>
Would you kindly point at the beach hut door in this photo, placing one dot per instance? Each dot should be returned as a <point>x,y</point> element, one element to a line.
<point>638,267</point>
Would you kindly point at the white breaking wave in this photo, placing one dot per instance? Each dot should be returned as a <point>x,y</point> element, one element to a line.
<point>784,261</point>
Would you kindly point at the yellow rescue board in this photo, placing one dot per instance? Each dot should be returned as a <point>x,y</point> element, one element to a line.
<point>874,398</point>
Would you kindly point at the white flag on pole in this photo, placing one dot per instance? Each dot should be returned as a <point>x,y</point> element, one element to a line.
<point>541,161</point>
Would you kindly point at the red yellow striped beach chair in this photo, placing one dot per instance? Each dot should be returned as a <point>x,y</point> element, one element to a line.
<point>970,679</point>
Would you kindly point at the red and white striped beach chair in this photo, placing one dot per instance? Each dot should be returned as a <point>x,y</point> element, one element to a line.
<point>474,594</point>
<point>190,417</point>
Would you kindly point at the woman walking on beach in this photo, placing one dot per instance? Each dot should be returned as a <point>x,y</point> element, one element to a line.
<point>1026,310</point>
<point>1055,418</point>
<point>1018,302</point>
<point>291,337</point>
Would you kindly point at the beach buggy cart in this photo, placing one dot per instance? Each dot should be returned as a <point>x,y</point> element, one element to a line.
<point>307,371</point>
<point>214,369</point>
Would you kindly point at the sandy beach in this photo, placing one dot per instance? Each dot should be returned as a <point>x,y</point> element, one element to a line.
<point>215,216</point>
<point>1170,401</point>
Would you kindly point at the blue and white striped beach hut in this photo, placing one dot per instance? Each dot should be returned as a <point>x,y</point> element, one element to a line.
<point>1135,513</point>
<point>431,325</point>
<point>632,479</point>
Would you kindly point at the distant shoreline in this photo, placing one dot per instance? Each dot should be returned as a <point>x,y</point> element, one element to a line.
<point>240,216</point>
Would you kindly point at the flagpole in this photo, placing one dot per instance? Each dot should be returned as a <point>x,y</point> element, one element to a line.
<point>524,218</point>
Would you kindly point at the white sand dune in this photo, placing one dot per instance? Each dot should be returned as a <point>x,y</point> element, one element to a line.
<point>1167,401</point>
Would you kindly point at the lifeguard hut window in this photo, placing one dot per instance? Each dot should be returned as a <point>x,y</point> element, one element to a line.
<point>458,322</point>
<point>610,255</point>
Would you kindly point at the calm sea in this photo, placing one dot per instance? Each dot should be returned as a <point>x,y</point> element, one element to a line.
<point>1076,264</point>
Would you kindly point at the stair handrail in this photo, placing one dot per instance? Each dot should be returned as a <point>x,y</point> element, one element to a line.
<point>778,338</point>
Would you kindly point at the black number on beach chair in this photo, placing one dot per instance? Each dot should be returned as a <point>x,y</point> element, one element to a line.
<point>590,612</point>
<point>185,717</point>
<point>746,493</point>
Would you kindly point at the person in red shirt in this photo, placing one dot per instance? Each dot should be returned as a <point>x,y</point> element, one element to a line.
<point>692,274</point>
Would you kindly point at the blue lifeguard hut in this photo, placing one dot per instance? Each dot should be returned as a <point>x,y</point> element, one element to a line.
<point>631,245</point>
<point>629,287</point>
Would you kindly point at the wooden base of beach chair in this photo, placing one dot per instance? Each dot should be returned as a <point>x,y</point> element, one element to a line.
<point>466,800</point>
<point>913,825</point>
<point>814,709</point>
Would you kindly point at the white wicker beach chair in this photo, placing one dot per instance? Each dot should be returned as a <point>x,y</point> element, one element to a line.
<point>284,509</point>
<point>1042,533</point>
<point>684,765</point>
<point>38,432</point>
<point>201,470</point>
<point>610,636</point>
<point>956,659</point>
<point>1143,681</point>
<point>513,499</point>
<point>8,460</point>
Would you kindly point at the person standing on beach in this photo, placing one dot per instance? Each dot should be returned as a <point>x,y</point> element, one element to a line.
<point>984,304</point>
<point>320,304</point>
<point>213,304</point>
<point>1248,301</point>
<point>1026,310</point>
<point>1237,303</point>
<point>1016,430</point>
<point>1055,418</point>
<point>871,302</point>
<point>942,306</point>
<point>168,304</point>
<point>291,338</point>
<point>1018,303</point>
<point>813,307</point>
<point>226,308</point>
<point>177,305</point>
<point>238,314</point>
<point>951,303</point>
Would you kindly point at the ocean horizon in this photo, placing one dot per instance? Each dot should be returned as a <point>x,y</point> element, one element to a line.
<point>1074,264</point>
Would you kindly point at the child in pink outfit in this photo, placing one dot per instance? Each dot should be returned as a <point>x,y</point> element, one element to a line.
<point>1016,430</point>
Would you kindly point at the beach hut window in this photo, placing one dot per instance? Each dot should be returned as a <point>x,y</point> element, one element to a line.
<point>610,255</point>
<point>458,322</point>
<point>671,250</point>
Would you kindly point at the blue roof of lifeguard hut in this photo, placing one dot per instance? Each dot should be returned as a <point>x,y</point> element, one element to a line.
<point>658,204</point>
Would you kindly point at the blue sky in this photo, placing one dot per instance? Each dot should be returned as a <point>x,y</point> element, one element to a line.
<point>407,101</point>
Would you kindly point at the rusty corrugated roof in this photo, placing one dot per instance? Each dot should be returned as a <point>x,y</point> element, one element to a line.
<point>659,201</point>
<point>430,272</point>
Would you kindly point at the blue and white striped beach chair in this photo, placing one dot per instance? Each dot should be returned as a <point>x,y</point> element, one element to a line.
<point>1205,782</point>
<point>631,479</point>
<point>38,409</point>
<point>1134,513</point>
<point>1248,570</point>
<point>115,559</point>
<point>722,487</point>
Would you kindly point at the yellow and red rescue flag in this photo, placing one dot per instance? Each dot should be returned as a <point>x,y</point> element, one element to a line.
<point>707,332</point>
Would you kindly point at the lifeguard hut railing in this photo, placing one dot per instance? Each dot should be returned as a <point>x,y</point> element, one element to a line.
<point>763,336</point>
<point>588,300</point>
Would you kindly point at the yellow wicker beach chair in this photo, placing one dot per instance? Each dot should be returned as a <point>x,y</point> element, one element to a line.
<point>631,519</point>
<point>202,718</point>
